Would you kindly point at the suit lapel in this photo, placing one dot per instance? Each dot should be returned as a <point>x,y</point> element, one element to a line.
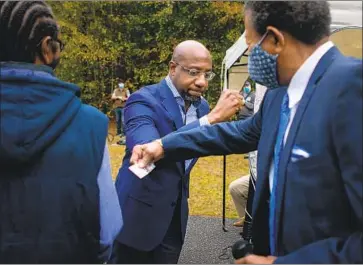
<point>271,117</point>
<point>202,109</point>
<point>320,69</point>
<point>169,103</point>
<point>171,106</point>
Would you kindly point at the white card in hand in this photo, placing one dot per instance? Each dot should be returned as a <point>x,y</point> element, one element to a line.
<point>141,172</point>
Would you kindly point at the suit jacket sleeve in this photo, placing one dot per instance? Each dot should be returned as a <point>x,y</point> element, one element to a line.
<point>139,121</point>
<point>347,136</point>
<point>219,139</point>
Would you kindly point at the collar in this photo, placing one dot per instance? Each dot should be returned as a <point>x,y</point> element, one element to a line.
<point>173,89</point>
<point>301,78</point>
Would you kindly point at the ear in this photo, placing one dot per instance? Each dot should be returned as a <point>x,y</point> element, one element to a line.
<point>46,50</point>
<point>172,67</point>
<point>276,40</point>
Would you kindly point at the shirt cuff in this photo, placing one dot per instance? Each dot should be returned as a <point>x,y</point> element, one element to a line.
<point>204,121</point>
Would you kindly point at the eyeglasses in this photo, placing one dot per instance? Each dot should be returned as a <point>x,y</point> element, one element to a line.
<point>196,73</point>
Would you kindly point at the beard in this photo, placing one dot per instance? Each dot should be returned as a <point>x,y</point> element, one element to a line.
<point>190,98</point>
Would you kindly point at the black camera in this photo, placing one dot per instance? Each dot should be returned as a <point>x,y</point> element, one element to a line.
<point>241,249</point>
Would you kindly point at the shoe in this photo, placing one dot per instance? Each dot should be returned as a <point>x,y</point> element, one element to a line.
<point>239,223</point>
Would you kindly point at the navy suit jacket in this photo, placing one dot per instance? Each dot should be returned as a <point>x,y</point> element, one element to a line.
<point>320,198</point>
<point>148,204</point>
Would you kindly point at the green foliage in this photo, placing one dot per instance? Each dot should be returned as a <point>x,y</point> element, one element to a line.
<point>135,40</point>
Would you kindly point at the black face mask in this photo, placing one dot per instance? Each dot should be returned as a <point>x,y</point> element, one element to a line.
<point>54,63</point>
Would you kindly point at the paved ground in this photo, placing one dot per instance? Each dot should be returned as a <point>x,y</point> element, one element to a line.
<point>205,241</point>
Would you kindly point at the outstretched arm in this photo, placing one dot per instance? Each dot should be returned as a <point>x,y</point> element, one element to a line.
<point>220,139</point>
<point>140,117</point>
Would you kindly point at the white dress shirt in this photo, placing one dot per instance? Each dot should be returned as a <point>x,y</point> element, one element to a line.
<point>297,88</point>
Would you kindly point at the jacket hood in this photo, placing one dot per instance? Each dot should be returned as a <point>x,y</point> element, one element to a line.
<point>35,109</point>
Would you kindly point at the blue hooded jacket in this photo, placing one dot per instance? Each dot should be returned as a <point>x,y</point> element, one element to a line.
<point>51,150</point>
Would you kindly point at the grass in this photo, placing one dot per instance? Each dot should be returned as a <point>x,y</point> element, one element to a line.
<point>206,181</point>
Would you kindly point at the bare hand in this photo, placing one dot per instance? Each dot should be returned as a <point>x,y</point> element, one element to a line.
<point>254,259</point>
<point>228,104</point>
<point>144,155</point>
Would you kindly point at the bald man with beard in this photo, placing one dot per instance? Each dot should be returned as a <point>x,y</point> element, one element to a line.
<point>155,208</point>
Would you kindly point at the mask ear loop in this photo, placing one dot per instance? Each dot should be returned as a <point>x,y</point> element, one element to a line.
<point>263,38</point>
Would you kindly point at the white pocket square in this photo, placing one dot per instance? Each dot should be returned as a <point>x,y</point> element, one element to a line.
<point>299,153</point>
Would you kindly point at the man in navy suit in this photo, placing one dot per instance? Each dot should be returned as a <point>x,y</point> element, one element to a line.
<point>308,132</point>
<point>155,208</point>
